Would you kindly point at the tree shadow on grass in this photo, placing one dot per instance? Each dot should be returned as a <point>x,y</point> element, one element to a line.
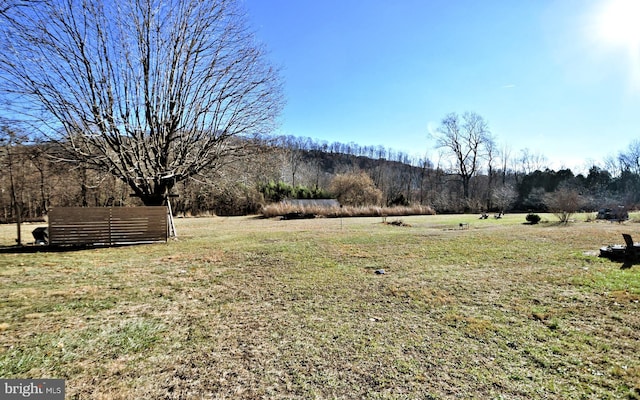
<point>28,249</point>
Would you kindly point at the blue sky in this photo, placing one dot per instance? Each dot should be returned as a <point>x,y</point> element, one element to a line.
<point>558,77</point>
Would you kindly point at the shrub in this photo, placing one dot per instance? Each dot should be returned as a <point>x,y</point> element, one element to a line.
<point>564,202</point>
<point>274,192</point>
<point>533,218</point>
<point>356,190</point>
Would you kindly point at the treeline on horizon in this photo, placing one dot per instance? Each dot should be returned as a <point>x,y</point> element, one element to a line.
<point>294,167</point>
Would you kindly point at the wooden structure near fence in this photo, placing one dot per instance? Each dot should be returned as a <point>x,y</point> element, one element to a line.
<point>107,226</point>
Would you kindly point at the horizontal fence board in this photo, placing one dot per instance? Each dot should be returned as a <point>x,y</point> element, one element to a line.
<point>111,225</point>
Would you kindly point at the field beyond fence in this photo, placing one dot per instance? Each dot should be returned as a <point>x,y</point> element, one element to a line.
<point>246,308</point>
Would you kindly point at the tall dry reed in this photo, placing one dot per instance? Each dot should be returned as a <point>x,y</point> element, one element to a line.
<point>280,209</point>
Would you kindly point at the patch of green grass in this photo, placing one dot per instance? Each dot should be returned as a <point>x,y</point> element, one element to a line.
<point>259,308</point>
<point>62,353</point>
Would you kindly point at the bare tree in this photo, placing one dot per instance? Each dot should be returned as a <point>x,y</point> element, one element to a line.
<point>490,153</point>
<point>292,150</point>
<point>563,203</point>
<point>503,197</point>
<point>532,161</point>
<point>629,160</point>
<point>612,165</point>
<point>505,156</point>
<point>13,166</point>
<point>463,139</point>
<point>152,91</point>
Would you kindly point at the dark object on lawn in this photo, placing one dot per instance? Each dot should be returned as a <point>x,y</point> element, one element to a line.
<point>380,272</point>
<point>41,235</point>
<point>298,215</point>
<point>619,214</point>
<point>628,252</point>
<point>533,218</point>
<point>632,251</point>
<point>397,222</point>
<point>615,252</point>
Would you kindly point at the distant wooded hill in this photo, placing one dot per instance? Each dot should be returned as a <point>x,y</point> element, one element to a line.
<point>33,182</point>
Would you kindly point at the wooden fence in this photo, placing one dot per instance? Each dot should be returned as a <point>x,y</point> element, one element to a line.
<point>107,225</point>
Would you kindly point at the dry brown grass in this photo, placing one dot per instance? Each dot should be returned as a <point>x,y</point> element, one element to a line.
<point>259,308</point>
<point>279,209</point>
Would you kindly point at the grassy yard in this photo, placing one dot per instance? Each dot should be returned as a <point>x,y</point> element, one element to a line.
<point>259,308</point>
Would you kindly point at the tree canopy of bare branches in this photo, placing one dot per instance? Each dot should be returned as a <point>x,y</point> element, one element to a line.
<point>464,139</point>
<point>563,203</point>
<point>151,91</point>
